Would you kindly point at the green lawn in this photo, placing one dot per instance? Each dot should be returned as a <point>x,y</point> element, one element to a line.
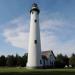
<point>24,71</point>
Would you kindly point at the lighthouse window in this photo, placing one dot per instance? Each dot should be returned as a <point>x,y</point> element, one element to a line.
<point>35,41</point>
<point>35,20</point>
<point>32,12</point>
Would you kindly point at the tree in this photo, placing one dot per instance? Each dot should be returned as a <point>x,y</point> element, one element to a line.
<point>24,60</point>
<point>66,60</point>
<point>10,60</point>
<point>2,60</point>
<point>59,61</point>
<point>18,60</point>
<point>72,60</point>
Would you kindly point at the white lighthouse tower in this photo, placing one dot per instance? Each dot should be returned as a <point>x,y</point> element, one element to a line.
<point>34,50</point>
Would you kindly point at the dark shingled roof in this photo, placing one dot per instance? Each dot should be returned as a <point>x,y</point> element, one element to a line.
<point>47,53</point>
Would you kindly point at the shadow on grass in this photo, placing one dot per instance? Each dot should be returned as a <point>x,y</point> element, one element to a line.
<point>39,73</point>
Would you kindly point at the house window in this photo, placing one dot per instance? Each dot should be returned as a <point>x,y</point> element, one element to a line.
<point>40,62</point>
<point>35,20</point>
<point>35,41</point>
<point>50,63</point>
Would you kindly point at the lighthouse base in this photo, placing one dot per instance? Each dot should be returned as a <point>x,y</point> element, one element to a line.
<point>33,67</point>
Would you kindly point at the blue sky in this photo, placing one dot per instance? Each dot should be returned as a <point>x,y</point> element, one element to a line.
<point>57,26</point>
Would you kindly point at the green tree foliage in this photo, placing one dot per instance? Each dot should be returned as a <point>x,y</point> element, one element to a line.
<point>10,60</point>
<point>61,61</point>
<point>18,60</point>
<point>24,60</point>
<point>2,60</point>
<point>72,60</point>
<point>66,60</point>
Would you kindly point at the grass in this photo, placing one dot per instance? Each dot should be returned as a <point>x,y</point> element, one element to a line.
<point>24,71</point>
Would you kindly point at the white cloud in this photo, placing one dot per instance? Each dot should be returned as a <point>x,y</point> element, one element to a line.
<point>17,39</point>
<point>18,36</point>
<point>51,24</point>
<point>52,42</point>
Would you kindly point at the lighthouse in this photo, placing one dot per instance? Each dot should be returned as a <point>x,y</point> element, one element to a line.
<point>34,48</point>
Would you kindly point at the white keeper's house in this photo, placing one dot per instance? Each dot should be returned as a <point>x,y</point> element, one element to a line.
<point>48,58</point>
